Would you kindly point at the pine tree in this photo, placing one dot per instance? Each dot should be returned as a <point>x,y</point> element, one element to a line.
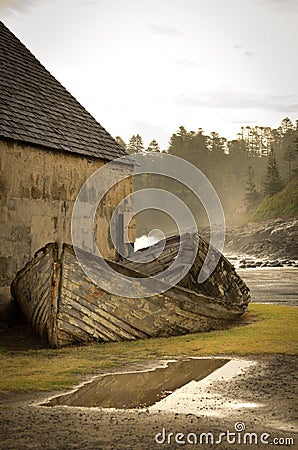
<point>251,192</point>
<point>121,142</point>
<point>178,144</point>
<point>290,157</point>
<point>286,125</point>
<point>153,146</point>
<point>135,144</point>
<point>273,182</point>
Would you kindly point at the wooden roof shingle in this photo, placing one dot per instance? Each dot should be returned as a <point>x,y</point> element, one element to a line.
<point>36,109</point>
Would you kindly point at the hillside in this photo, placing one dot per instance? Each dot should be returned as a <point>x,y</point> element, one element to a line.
<point>271,230</point>
<point>282,204</point>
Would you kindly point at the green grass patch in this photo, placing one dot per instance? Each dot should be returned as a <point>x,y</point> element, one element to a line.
<point>282,204</point>
<point>272,331</point>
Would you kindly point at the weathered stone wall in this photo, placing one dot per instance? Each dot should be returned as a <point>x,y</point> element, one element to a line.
<point>38,188</point>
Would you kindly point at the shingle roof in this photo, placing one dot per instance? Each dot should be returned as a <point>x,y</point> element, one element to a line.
<point>35,108</point>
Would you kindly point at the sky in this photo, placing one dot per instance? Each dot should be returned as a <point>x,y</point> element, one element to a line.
<point>149,66</point>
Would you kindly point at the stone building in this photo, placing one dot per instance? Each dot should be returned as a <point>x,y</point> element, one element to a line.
<point>49,146</point>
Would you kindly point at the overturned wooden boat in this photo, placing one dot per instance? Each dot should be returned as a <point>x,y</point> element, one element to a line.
<point>64,306</point>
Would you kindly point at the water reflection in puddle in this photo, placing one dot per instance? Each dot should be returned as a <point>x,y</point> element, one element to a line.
<point>199,398</point>
<point>244,405</point>
<point>139,389</point>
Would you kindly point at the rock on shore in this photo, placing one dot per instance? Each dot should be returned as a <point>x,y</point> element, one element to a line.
<point>274,239</point>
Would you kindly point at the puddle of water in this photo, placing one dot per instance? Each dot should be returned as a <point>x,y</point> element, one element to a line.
<point>139,389</point>
<point>240,405</point>
<point>197,397</point>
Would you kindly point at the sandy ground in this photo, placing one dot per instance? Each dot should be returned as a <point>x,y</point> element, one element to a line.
<point>261,399</point>
<point>277,285</point>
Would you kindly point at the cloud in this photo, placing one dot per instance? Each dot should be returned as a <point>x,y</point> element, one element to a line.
<point>17,5</point>
<point>284,6</point>
<point>236,100</point>
<point>86,2</point>
<point>164,30</point>
<point>244,52</point>
<point>242,121</point>
<point>189,63</point>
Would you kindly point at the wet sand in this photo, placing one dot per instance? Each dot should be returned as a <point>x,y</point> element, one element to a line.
<point>269,383</point>
<point>274,285</point>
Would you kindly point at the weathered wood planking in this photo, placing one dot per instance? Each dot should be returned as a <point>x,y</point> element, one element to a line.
<point>64,305</point>
<point>33,289</point>
<point>224,284</point>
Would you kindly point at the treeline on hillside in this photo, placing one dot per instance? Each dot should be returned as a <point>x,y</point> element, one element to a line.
<point>258,163</point>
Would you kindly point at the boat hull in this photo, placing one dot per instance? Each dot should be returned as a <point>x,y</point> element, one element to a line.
<point>66,307</point>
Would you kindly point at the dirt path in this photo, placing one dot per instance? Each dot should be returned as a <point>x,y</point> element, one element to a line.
<point>270,384</point>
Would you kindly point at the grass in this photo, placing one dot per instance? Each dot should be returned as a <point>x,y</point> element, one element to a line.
<point>272,331</point>
<point>282,204</point>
